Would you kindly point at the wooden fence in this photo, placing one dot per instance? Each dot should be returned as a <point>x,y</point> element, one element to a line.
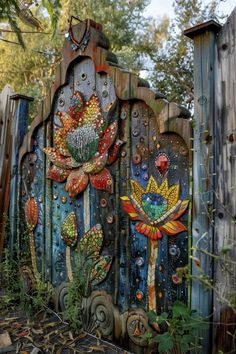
<point>214,192</point>
<point>124,192</point>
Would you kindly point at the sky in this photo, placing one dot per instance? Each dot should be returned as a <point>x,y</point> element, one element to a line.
<point>164,7</point>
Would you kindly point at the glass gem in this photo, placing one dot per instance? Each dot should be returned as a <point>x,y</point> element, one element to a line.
<point>139,295</point>
<point>162,163</point>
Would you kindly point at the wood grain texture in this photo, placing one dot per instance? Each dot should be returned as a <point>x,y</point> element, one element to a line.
<point>203,170</point>
<point>225,191</point>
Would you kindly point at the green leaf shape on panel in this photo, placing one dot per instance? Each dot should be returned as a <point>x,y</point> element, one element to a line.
<point>91,242</point>
<point>101,269</point>
<point>69,233</point>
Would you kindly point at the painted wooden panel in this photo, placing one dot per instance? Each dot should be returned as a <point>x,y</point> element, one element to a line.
<point>104,177</point>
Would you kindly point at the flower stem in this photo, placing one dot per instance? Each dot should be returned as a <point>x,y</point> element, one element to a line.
<point>68,264</point>
<point>151,275</point>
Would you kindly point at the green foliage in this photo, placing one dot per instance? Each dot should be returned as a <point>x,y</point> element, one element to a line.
<point>38,299</point>
<point>172,62</point>
<point>181,326</point>
<point>77,289</point>
<point>10,279</point>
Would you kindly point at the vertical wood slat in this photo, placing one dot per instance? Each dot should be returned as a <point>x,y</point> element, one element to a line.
<point>203,170</point>
<point>5,129</point>
<point>18,130</point>
<point>225,225</point>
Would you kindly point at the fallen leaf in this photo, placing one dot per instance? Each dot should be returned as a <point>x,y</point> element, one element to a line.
<point>5,340</point>
<point>98,348</point>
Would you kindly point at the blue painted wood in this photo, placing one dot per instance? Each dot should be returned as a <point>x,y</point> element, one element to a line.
<point>18,130</point>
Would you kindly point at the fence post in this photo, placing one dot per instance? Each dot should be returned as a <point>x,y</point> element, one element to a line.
<point>18,129</point>
<point>204,36</point>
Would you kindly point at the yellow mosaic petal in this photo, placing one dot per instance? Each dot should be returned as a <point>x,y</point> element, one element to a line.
<point>163,189</point>
<point>60,142</point>
<point>137,191</point>
<point>152,186</point>
<point>92,112</point>
<point>172,196</point>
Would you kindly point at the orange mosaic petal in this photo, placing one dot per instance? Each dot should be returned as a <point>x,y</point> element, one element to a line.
<point>150,231</point>
<point>129,208</point>
<point>77,182</point>
<point>182,209</point>
<point>96,164</point>
<point>58,174</point>
<point>173,228</point>
<point>102,180</point>
<point>31,213</point>
<point>68,123</point>
<point>92,113</point>
<point>108,138</point>
<point>60,142</point>
<point>59,160</point>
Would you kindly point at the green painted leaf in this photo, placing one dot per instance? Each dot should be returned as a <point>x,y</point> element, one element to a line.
<point>91,242</point>
<point>69,232</point>
<point>101,269</point>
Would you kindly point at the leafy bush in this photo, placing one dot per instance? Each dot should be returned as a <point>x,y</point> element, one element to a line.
<point>179,329</point>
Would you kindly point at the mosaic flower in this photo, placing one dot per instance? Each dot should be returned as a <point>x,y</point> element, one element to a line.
<point>83,146</point>
<point>156,208</point>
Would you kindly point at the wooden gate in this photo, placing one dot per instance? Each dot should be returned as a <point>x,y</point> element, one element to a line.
<point>104,173</point>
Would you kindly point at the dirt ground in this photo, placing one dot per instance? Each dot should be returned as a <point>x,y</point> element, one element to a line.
<point>47,333</point>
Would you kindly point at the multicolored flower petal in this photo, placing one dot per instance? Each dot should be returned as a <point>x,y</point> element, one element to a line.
<point>102,180</point>
<point>129,208</point>
<point>76,183</point>
<point>68,123</point>
<point>173,227</point>
<point>114,151</point>
<point>92,114</point>
<point>96,164</point>
<point>108,138</point>
<point>150,231</point>
<point>60,142</point>
<point>59,160</point>
<point>58,174</point>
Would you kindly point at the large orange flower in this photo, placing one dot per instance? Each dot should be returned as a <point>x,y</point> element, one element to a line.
<point>83,146</point>
<point>157,208</point>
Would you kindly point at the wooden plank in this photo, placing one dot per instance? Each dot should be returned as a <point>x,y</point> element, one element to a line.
<point>6,116</point>
<point>203,172</point>
<point>225,193</point>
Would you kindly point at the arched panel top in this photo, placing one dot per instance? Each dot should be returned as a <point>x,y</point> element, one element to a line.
<point>92,44</point>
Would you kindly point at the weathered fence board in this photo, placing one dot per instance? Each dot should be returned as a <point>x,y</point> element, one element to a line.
<point>225,192</point>
<point>214,180</point>
<point>13,126</point>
